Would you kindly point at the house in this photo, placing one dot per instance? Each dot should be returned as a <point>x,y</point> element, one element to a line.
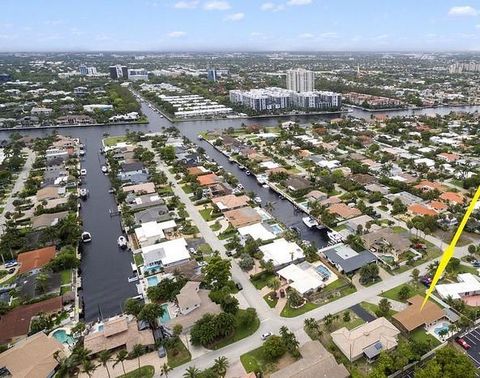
<point>197,171</point>
<point>346,260</point>
<point>145,188</point>
<point>421,209</point>
<point>302,277</point>
<point>468,286</point>
<point>36,259</point>
<point>297,183</point>
<point>316,362</point>
<point>230,202</point>
<point>48,220</point>
<point>32,357</point>
<point>364,179</point>
<point>172,252</point>
<point>159,213</point>
<point>115,333</point>
<point>138,202</point>
<point>368,340</point>
<point>257,231</point>
<point>414,316</point>
<point>149,233</point>
<point>387,241</point>
<point>405,198</point>
<point>344,211</point>
<point>316,195</point>
<point>15,324</point>
<point>450,157</point>
<point>426,185</point>
<point>208,179</point>
<point>242,217</point>
<point>188,298</point>
<point>281,252</point>
<point>47,193</point>
<point>354,223</point>
<point>452,198</point>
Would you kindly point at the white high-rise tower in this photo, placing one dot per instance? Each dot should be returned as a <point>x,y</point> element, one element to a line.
<point>300,80</point>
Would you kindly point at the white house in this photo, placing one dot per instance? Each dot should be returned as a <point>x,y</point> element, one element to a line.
<point>468,285</point>
<point>256,231</point>
<point>148,233</point>
<point>281,252</point>
<point>172,252</point>
<point>303,281</point>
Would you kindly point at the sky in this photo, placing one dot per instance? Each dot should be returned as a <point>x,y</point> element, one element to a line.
<point>239,25</point>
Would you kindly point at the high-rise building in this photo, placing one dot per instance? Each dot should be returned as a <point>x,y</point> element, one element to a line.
<point>136,74</point>
<point>115,72</point>
<point>212,74</point>
<point>300,80</point>
<point>87,71</point>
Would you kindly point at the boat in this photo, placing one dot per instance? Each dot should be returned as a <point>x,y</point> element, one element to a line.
<point>262,179</point>
<point>122,242</point>
<point>86,237</point>
<point>257,200</point>
<point>111,190</point>
<point>83,193</point>
<point>247,173</point>
<point>81,152</point>
<point>266,186</point>
<point>310,222</point>
<point>200,137</point>
<point>133,278</point>
<point>242,167</point>
<point>83,171</point>
<point>334,236</point>
<point>104,169</point>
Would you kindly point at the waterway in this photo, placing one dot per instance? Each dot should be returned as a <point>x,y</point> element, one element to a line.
<point>105,268</point>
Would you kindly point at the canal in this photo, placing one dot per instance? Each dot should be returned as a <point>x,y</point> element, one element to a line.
<point>105,268</point>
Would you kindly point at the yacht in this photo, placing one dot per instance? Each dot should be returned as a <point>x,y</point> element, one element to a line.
<point>247,173</point>
<point>334,236</point>
<point>310,222</point>
<point>83,171</point>
<point>83,193</point>
<point>104,169</point>
<point>257,200</point>
<point>86,237</point>
<point>122,242</point>
<point>81,152</point>
<point>262,179</point>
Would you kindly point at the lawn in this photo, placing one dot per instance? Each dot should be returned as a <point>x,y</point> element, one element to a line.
<point>205,249</point>
<point>239,334</point>
<point>138,259</point>
<point>260,280</point>
<point>372,308</point>
<point>216,226</point>
<point>421,336</point>
<point>393,293</point>
<point>187,189</point>
<point>178,355</point>
<point>289,312</point>
<point>271,302</point>
<point>228,233</point>
<point>207,214</point>
<point>254,360</point>
<point>398,229</point>
<point>113,140</point>
<point>143,372</point>
<point>66,276</point>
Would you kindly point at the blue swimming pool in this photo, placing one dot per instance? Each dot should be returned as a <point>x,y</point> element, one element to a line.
<point>441,329</point>
<point>324,272</point>
<point>152,281</point>
<point>165,318</point>
<point>62,336</point>
<point>276,229</point>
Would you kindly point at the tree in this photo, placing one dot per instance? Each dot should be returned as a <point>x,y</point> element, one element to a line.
<point>246,262</point>
<point>398,207</point>
<point>404,292</point>
<point>133,307</point>
<point>274,348</point>
<point>274,284</point>
<point>415,276</point>
<point>369,273</point>
<point>295,299</point>
<point>448,363</point>
<point>472,249</point>
<point>150,313</point>
<point>290,341</point>
<point>229,304</point>
<point>192,372</point>
<point>346,316</point>
<point>120,358</point>
<point>137,351</point>
<point>311,326</point>
<point>165,369</point>
<point>221,365</point>
<point>247,317</point>
<point>104,356</point>
<point>177,330</point>
<point>384,307</point>
<point>217,272</point>
<point>88,367</point>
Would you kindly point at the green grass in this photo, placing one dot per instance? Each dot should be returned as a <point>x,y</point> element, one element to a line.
<point>372,308</point>
<point>393,293</point>
<point>143,372</point>
<point>260,280</point>
<point>398,229</point>
<point>228,233</point>
<point>467,269</point>
<point>113,140</point>
<point>205,248</point>
<point>254,360</point>
<point>271,302</point>
<point>138,259</point>
<point>207,214</point>
<point>178,355</point>
<point>239,334</point>
<point>289,312</point>
<point>216,226</point>
<point>187,189</point>
<point>421,336</point>
<point>66,276</point>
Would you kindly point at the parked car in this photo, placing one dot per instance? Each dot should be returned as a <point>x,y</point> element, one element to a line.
<point>266,335</point>
<point>282,293</point>
<point>476,264</point>
<point>11,263</point>
<point>161,351</point>
<point>463,343</point>
<point>11,270</point>
<point>426,280</point>
<point>419,247</point>
<point>229,253</point>
<point>239,285</point>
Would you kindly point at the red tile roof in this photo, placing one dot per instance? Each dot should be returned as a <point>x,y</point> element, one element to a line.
<point>419,209</point>
<point>35,259</point>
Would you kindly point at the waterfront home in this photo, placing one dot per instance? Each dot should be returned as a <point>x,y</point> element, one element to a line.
<point>230,202</point>
<point>346,260</point>
<point>467,289</point>
<point>242,217</point>
<point>281,252</point>
<point>151,232</point>
<point>48,220</point>
<point>35,260</point>
<point>188,298</point>
<point>169,253</point>
<point>144,188</point>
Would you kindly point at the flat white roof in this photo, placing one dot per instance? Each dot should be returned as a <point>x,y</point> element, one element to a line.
<point>167,252</point>
<point>256,231</point>
<point>467,284</point>
<point>153,230</point>
<point>281,252</point>
<point>301,280</point>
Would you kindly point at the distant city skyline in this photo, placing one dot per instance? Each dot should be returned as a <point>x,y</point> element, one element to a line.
<point>234,25</point>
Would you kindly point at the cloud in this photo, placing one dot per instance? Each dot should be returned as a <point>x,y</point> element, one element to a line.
<point>186,4</point>
<point>306,36</point>
<point>217,5</point>
<point>272,7</point>
<point>235,17</point>
<point>177,34</point>
<point>465,10</point>
<point>299,2</point>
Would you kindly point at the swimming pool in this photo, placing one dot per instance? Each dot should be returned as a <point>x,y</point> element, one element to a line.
<point>388,259</point>
<point>165,318</point>
<point>62,336</point>
<point>276,229</point>
<point>152,281</point>
<point>324,272</point>
<point>443,328</point>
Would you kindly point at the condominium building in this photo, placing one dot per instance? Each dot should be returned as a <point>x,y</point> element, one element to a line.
<point>87,71</point>
<point>117,71</point>
<point>300,80</point>
<point>137,74</point>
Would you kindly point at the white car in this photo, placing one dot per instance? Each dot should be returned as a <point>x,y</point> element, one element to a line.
<point>266,335</point>
<point>83,171</point>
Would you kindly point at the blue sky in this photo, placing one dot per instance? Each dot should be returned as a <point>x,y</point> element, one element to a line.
<point>165,25</point>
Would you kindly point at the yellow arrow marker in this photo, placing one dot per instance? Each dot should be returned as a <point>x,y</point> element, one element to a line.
<point>447,255</point>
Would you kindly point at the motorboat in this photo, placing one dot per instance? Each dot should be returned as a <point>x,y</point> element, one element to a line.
<point>111,190</point>
<point>104,169</point>
<point>310,222</point>
<point>200,137</point>
<point>240,187</point>
<point>265,186</point>
<point>262,179</point>
<point>83,171</point>
<point>81,152</point>
<point>334,236</point>
<point>86,237</point>
<point>83,193</point>
<point>257,200</point>
<point>133,278</point>
<point>247,173</point>
<point>122,242</point>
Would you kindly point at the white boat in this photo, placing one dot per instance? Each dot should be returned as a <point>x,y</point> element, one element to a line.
<point>83,171</point>
<point>133,278</point>
<point>265,186</point>
<point>334,236</point>
<point>257,200</point>
<point>310,222</point>
<point>81,152</point>
<point>86,237</point>
<point>262,179</point>
<point>200,137</point>
<point>104,169</point>
<point>122,242</point>
<point>83,193</point>
<point>247,173</point>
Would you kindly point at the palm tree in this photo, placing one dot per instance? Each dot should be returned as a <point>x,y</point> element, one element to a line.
<point>415,276</point>
<point>191,372</point>
<point>138,351</point>
<point>120,357</point>
<point>104,356</point>
<point>274,284</point>
<point>221,366</point>
<point>165,369</point>
<point>88,367</point>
